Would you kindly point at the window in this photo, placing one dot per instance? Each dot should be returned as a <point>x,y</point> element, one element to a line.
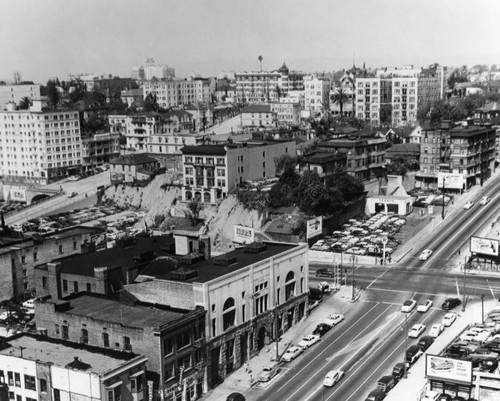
<point>289,285</point>
<point>168,346</point>
<point>43,385</point>
<point>183,339</point>
<point>65,334</point>
<point>85,336</point>
<point>114,394</point>
<point>75,286</point>
<point>17,379</point>
<point>10,376</point>
<point>105,339</point>
<point>89,287</point>
<point>136,384</point>
<point>19,398</point>
<point>65,285</point>
<point>29,382</point>
<point>74,244</point>
<point>56,328</point>
<point>126,344</point>
<point>228,313</point>
<point>60,249</point>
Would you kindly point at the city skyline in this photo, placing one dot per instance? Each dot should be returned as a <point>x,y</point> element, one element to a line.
<point>45,39</point>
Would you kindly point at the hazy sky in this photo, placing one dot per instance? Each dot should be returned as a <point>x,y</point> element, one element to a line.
<point>47,38</point>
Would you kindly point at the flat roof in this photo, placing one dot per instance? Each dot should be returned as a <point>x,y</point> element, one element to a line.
<point>112,310</point>
<point>62,353</point>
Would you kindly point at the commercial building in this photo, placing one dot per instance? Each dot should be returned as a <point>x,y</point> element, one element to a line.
<point>39,368</point>
<point>19,257</point>
<point>212,171</point>
<point>172,339</point>
<point>252,295</point>
<point>39,146</point>
<point>15,93</point>
<point>267,86</point>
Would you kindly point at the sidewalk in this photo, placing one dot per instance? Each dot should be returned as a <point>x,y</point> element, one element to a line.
<point>242,381</point>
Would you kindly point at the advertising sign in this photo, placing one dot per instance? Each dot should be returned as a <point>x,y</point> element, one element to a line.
<point>243,235</point>
<point>450,181</point>
<point>314,227</point>
<point>18,195</point>
<point>484,246</point>
<point>448,369</point>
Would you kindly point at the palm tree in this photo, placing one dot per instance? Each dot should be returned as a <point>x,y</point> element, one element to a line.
<point>25,103</point>
<point>260,61</point>
<point>340,96</point>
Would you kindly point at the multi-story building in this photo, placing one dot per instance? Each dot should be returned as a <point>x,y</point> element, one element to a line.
<point>324,163</point>
<point>372,95</point>
<point>172,338</point>
<point>157,71</point>
<point>258,116</point>
<point>365,152</point>
<point>316,94</point>
<point>19,257</point>
<point>15,93</point>
<point>252,295</point>
<point>99,149</point>
<point>139,128</point>
<point>132,168</point>
<point>267,86</point>
<point>212,171</point>
<point>287,113</point>
<point>176,92</point>
<point>133,97</point>
<point>467,152</point>
<point>38,146</point>
<point>36,368</point>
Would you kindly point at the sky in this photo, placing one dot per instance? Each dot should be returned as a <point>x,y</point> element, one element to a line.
<point>54,38</point>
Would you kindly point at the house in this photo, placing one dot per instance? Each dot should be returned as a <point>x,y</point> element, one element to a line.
<point>407,151</point>
<point>132,168</point>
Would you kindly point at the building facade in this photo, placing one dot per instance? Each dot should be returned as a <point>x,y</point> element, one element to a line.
<point>99,149</point>
<point>212,171</point>
<point>316,95</point>
<point>287,113</point>
<point>15,93</point>
<point>39,146</point>
<point>133,167</point>
<point>258,116</point>
<point>37,368</point>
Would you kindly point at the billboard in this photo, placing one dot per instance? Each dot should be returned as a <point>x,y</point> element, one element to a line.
<point>484,246</point>
<point>244,235</point>
<point>450,181</point>
<point>314,227</point>
<point>448,369</point>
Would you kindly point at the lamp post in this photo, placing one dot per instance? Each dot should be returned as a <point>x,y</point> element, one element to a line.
<point>482,309</point>
<point>442,211</point>
<point>353,283</point>
<point>385,240</point>
<point>463,296</point>
<point>406,346</point>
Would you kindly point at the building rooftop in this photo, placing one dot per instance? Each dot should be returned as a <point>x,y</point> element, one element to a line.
<point>64,353</point>
<point>257,108</point>
<point>102,308</point>
<point>324,157</point>
<point>469,130</point>
<point>204,150</point>
<point>133,159</point>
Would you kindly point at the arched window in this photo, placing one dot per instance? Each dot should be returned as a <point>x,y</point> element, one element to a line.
<point>228,313</point>
<point>206,197</point>
<point>189,195</point>
<point>289,285</point>
<point>197,196</point>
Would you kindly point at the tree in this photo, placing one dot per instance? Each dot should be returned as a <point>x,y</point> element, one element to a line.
<point>386,114</point>
<point>311,195</point>
<point>283,162</point>
<point>52,94</point>
<point>349,186</point>
<point>457,76</point>
<point>260,61</point>
<point>340,97</point>
<point>280,195</point>
<point>151,103</point>
<point>77,90</point>
<point>25,103</point>
<point>193,212</point>
<point>16,77</point>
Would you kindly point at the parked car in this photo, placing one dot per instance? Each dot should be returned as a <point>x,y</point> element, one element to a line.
<point>309,340</point>
<point>468,205</point>
<point>413,353</point>
<point>416,330</point>
<point>322,329</point>
<point>444,397</point>
<point>334,319</point>
<point>426,254</point>
<point>451,303</point>
<point>398,371</point>
<point>386,383</point>
<point>268,372</point>
<point>375,395</point>
<point>324,273</point>
<point>332,377</point>
<point>235,397</point>
<point>430,396</point>
<point>484,201</point>
<point>448,319</point>
<point>425,342</point>
<point>292,353</point>
<point>72,194</point>
<point>425,306</point>
<point>408,305</point>
<point>436,330</point>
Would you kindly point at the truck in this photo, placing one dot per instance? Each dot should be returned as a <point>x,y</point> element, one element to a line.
<point>386,383</point>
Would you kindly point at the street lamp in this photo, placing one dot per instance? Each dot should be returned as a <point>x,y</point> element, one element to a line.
<point>442,211</point>
<point>385,240</point>
<point>463,296</point>
<point>353,283</point>
<point>406,346</point>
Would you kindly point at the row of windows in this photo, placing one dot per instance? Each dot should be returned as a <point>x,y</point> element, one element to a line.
<point>63,331</point>
<point>14,379</point>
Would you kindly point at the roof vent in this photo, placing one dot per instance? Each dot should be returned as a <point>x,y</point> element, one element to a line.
<point>192,258</point>
<point>183,274</point>
<point>255,247</point>
<point>225,260</point>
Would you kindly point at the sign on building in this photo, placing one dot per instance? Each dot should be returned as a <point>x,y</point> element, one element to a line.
<point>484,246</point>
<point>314,227</point>
<point>18,195</point>
<point>244,235</point>
<point>450,181</point>
<point>448,369</point>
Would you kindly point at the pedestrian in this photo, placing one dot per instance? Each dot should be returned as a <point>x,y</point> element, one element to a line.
<point>459,252</point>
<point>246,367</point>
<point>389,258</point>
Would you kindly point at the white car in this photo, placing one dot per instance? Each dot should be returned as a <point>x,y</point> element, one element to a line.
<point>436,330</point>
<point>425,307</point>
<point>448,319</point>
<point>416,330</point>
<point>73,178</point>
<point>484,201</point>
<point>268,372</point>
<point>309,340</point>
<point>72,194</point>
<point>468,205</point>
<point>408,305</point>
<point>332,377</point>
<point>292,353</point>
<point>334,319</point>
<point>426,254</point>
<point>431,396</point>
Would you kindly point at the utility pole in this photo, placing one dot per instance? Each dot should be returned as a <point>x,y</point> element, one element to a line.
<point>482,309</point>
<point>406,346</point>
<point>353,282</point>
<point>463,296</point>
<point>442,212</point>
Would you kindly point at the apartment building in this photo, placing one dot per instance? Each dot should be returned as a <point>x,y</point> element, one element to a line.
<point>99,149</point>
<point>176,92</point>
<point>38,146</point>
<point>132,168</point>
<point>212,171</point>
<point>15,93</point>
<point>35,367</point>
<point>258,116</point>
<point>316,95</point>
<point>287,113</point>
<point>372,95</point>
<point>267,86</point>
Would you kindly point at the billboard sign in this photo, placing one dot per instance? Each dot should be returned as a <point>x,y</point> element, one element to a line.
<point>450,181</point>
<point>484,246</point>
<point>314,227</point>
<point>244,235</point>
<point>448,369</point>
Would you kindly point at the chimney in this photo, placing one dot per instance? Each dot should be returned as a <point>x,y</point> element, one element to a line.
<point>205,246</point>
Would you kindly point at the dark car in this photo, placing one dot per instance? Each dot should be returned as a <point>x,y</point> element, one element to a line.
<point>324,273</point>
<point>451,303</point>
<point>425,342</point>
<point>458,398</point>
<point>444,397</point>
<point>493,346</point>
<point>322,329</point>
<point>375,395</point>
<point>398,371</point>
<point>235,397</point>
<point>315,294</point>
